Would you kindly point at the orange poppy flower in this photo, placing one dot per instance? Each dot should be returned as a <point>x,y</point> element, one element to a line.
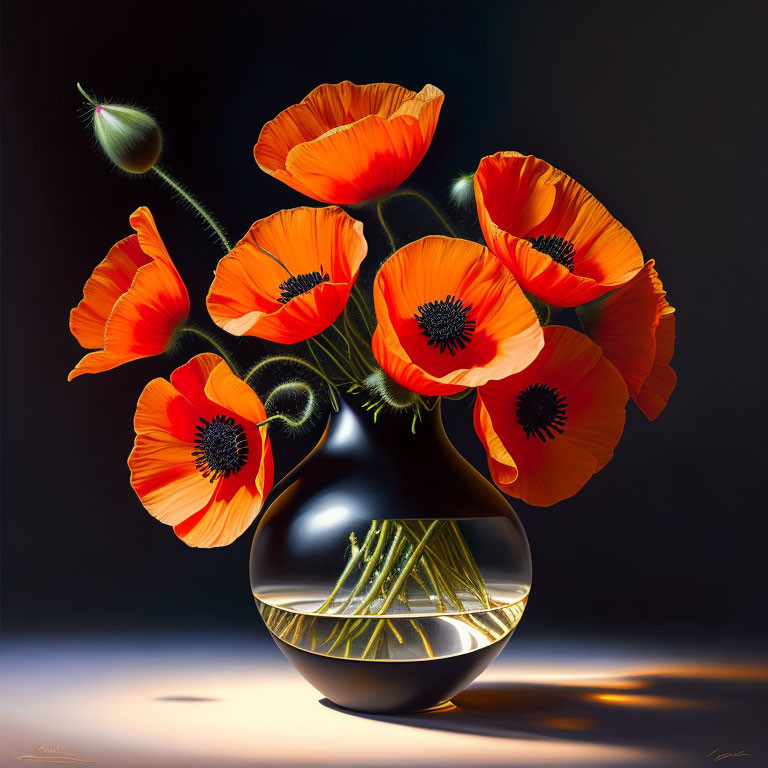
<point>133,303</point>
<point>348,143</point>
<point>290,276</point>
<point>200,462</point>
<point>548,429</point>
<point>635,328</point>
<point>561,244</point>
<point>451,316</point>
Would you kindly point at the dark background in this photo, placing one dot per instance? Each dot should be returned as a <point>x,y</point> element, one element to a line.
<point>658,108</point>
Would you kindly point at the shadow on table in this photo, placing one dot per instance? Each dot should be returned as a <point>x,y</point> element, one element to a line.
<point>188,699</point>
<point>692,715</point>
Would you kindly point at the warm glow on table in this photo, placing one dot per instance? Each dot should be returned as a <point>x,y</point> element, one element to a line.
<point>213,702</point>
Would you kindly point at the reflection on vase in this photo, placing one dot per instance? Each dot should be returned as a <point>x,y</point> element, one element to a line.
<point>386,546</point>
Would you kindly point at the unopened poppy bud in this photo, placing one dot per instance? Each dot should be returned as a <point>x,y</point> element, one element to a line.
<point>130,138</point>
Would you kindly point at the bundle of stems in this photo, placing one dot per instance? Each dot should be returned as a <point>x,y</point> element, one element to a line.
<point>389,574</point>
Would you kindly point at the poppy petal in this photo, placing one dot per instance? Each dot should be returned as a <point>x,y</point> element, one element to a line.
<point>543,471</point>
<point>133,304</point>
<point>164,477</point>
<point>245,296</point>
<point>635,328</point>
<point>530,212</point>
<point>346,144</point>
<point>109,281</point>
<point>501,334</point>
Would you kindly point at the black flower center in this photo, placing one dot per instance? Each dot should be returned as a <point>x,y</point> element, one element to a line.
<point>222,447</point>
<point>445,323</point>
<point>557,248</point>
<point>540,410</point>
<point>295,285</point>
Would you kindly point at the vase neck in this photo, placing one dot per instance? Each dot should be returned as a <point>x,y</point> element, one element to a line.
<point>353,425</point>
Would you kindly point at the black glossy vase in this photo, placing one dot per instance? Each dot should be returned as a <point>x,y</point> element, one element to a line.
<point>388,570</point>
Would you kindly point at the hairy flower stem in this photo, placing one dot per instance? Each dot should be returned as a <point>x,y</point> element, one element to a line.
<point>409,193</point>
<point>424,199</point>
<point>212,342</point>
<point>196,205</point>
<point>256,367</point>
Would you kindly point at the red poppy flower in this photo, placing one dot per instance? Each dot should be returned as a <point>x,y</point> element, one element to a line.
<point>451,316</point>
<point>348,143</point>
<point>561,244</point>
<point>199,462</point>
<point>548,429</point>
<point>320,251</point>
<point>133,303</point>
<point>635,328</point>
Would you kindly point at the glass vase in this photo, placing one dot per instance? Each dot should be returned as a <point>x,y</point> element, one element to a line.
<point>389,572</point>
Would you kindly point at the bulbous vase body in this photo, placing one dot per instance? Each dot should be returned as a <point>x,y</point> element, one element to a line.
<point>388,570</point>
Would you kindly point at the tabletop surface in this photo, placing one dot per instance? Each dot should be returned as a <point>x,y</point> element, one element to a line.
<point>221,702</point>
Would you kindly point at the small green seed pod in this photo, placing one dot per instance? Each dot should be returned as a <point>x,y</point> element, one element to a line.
<point>130,138</point>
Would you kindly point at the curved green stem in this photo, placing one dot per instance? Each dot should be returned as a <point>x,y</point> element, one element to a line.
<point>387,230</point>
<point>182,193</point>
<point>435,210</point>
<point>330,356</point>
<point>288,386</point>
<point>357,298</point>
<point>215,344</point>
<point>88,98</point>
<point>256,367</point>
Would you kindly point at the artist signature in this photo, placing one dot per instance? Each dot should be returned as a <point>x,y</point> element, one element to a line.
<point>716,755</point>
<point>57,755</point>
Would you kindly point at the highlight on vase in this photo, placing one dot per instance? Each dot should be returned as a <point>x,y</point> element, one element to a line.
<point>133,304</point>
<point>548,429</point>
<point>289,278</point>
<point>560,243</point>
<point>347,143</point>
<point>201,463</point>
<point>451,316</point>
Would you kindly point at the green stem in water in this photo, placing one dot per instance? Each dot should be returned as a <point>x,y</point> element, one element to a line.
<point>215,344</point>
<point>353,561</point>
<point>400,582</point>
<point>196,205</point>
<point>370,566</point>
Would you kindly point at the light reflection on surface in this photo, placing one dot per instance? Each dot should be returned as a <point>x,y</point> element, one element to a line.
<point>218,703</point>
<point>651,702</point>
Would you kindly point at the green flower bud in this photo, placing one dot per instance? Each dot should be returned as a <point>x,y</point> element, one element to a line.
<point>130,138</point>
<point>389,391</point>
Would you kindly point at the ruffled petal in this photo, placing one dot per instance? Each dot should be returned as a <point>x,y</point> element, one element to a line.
<point>520,198</point>
<point>164,477</point>
<point>345,143</point>
<point>244,296</point>
<point>133,304</point>
<point>161,408</point>
<point>544,472</point>
<point>635,328</point>
<point>506,335</point>
<point>110,280</point>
